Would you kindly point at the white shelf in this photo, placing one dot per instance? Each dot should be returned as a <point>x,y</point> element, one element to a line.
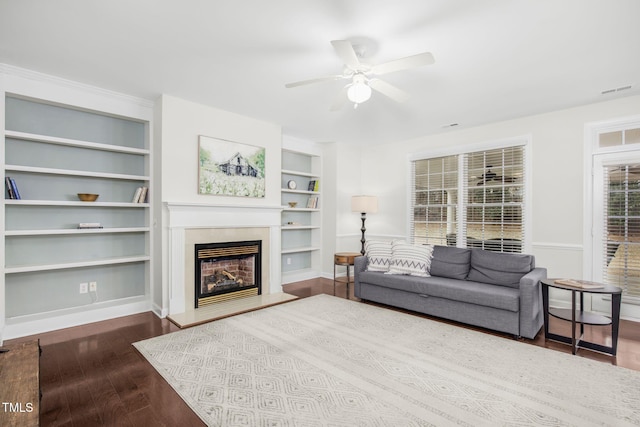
<point>76,231</point>
<point>71,172</point>
<point>301,243</point>
<point>81,264</point>
<point>78,203</point>
<point>300,209</point>
<point>298,173</point>
<point>40,284</point>
<point>299,250</point>
<point>73,143</point>
<point>286,190</point>
<point>300,227</point>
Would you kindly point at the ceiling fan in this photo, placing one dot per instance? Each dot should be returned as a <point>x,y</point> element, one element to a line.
<point>489,176</point>
<point>363,77</point>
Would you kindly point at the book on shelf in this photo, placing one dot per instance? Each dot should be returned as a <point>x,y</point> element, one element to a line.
<point>314,185</point>
<point>12,188</point>
<point>140,196</point>
<point>581,284</point>
<point>85,225</point>
<point>312,202</point>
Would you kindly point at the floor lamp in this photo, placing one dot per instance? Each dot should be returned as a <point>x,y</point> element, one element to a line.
<point>364,205</point>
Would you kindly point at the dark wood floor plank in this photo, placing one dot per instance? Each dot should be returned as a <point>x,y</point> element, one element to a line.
<point>147,417</point>
<point>110,408</point>
<point>91,375</point>
<point>54,405</point>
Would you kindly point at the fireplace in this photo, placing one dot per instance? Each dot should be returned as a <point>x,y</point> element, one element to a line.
<point>227,270</point>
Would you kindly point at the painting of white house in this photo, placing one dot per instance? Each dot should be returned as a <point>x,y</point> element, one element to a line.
<point>229,168</point>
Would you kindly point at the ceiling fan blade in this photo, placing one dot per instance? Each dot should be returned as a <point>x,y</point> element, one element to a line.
<point>388,90</point>
<point>312,81</point>
<point>340,100</point>
<point>414,61</point>
<point>345,51</point>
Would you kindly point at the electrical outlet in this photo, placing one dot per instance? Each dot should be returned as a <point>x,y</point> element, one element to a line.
<point>93,286</point>
<point>84,288</point>
<point>288,260</point>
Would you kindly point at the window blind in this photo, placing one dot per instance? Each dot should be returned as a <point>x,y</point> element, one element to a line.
<point>494,199</point>
<point>621,263</point>
<point>472,199</point>
<point>434,200</point>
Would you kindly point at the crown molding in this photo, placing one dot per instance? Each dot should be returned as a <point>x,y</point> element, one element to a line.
<point>36,76</point>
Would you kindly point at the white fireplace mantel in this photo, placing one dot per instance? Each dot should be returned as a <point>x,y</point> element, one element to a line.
<point>193,215</point>
<point>186,216</point>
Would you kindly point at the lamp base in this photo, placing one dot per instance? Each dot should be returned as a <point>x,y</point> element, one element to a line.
<point>363,229</point>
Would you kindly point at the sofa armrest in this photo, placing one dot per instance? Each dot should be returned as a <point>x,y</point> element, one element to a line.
<point>531,315</point>
<point>360,265</point>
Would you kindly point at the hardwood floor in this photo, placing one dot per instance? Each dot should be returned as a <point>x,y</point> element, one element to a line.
<point>91,375</point>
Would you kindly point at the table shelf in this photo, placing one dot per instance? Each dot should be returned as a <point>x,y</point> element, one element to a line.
<point>584,317</point>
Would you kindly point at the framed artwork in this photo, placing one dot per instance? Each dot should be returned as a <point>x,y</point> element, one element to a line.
<point>227,168</point>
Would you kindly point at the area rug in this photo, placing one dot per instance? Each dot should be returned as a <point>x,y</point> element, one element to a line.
<point>327,361</point>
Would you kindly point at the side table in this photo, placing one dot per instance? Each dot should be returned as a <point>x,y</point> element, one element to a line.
<point>346,259</point>
<point>577,315</point>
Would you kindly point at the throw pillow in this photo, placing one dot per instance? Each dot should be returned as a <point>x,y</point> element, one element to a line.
<point>379,255</point>
<point>411,259</point>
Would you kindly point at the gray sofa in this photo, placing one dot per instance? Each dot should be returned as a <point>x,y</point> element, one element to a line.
<point>498,291</point>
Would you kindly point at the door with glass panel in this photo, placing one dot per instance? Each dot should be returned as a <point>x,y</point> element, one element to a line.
<point>616,232</point>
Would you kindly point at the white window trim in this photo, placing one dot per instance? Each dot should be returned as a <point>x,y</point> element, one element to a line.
<point>592,149</point>
<point>592,131</point>
<point>522,140</point>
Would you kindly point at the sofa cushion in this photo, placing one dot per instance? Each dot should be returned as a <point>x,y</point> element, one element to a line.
<point>402,282</point>
<point>414,260</point>
<point>378,253</point>
<point>499,268</point>
<point>500,297</point>
<point>449,261</point>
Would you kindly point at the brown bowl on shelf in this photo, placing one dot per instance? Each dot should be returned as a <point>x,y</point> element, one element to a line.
<point>293,204</point>
<point>88,197</point>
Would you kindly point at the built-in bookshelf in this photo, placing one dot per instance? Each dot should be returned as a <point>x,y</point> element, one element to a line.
<point>66,259</point>
<point>301,223</point>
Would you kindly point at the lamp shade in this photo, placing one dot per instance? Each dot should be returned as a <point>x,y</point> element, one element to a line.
<point>364,204</point>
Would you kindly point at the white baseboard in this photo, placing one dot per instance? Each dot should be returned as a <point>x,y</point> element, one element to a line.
<point>16,328</point>
<point>159,311</point>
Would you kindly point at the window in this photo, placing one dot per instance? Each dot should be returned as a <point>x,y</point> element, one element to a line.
<point>621,237</point>
<point>435,200</point>
<point>473,199</point>
<point>613,219</point>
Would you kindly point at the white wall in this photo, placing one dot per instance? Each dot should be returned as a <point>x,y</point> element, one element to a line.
<point>557,140</point>
<point>349,164</point>
<point>329,207</point>
<point>182,123</point>
<point>176,148</point>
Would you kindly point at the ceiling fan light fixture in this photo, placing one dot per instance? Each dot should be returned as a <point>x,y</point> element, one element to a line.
<point>364,77</point>
<point>359,92</point>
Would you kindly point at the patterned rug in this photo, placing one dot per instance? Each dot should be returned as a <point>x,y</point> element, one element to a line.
<point>327,361</point>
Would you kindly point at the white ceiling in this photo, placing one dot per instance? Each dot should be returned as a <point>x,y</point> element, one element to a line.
<point>495,59</point>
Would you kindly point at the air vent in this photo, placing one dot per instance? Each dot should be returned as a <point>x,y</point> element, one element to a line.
<point>614,90</point>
